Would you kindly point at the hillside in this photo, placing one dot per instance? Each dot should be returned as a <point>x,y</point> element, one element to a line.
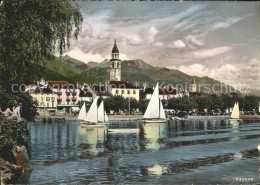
<point>132,70</point>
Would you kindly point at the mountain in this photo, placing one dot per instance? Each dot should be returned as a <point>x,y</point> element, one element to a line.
<point>75,71</point>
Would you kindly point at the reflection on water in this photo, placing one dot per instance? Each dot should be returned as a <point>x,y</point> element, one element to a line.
<point>69,153</point>
<point>151,133</point>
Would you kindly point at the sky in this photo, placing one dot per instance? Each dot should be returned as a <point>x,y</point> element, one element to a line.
<point>215,39</point>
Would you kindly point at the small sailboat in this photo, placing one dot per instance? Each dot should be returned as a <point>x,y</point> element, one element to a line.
<point>96,116</point>
<point>235,112</point>
<point>154,112</point>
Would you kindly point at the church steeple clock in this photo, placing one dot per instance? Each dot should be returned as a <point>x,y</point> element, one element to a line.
<point>115,64</point>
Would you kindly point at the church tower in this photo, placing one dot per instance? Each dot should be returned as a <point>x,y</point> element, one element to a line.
<point>193,85</point>
<point>115,65</point>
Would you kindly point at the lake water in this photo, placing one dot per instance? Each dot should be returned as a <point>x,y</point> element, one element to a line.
<point>178,152</point>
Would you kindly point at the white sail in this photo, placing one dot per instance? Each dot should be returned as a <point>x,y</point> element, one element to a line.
<point>92,115</point>
<point>235,112</point>
<point>154,109</point>
<point>102,116</point>
<point>82,113</point>
<point>106,118</point>
<point>162,113</point>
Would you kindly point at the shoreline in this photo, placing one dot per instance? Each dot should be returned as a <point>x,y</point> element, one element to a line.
<point>135,117</point>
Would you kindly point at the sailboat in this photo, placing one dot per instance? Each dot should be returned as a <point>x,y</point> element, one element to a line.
<point>235,112</point>
<point>96,116</point>
<point>154,112</point>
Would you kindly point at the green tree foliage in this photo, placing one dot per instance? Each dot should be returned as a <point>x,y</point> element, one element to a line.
<point>203,102</point>
<point>30,31</point>
<point>182,104</point>
<point>214,104</point>
<point>251,103</point>
<point>119,103</point>
<point>12,134</point>
<point>217,105</point>
<point>115,103</point>
<point>143,105</point>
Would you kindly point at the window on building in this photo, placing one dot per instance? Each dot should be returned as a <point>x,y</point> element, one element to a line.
<point>41,98</point>
<point>122,92</point>
<point>52,99</point>
<point>134,92</point>
<point>128,91</point>
<point>52,104</point>
<point>47,104</point>
<point>47,98</point>
<point>116,91</point>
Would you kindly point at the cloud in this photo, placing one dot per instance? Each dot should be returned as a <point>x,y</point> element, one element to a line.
<point>191,39</point>
<point>134,39</point>
<point>177,44</point>
<point>95,57</point>
<point>226,23</point>
<point>211,52</point>
<point>151,34</point>
<point>159,44</point>
<point>122,56</point>
<point>84,57</point>
<point>194,69</point>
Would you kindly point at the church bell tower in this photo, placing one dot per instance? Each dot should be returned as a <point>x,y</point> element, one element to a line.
<point>115,64</point>
<point>193,85</point>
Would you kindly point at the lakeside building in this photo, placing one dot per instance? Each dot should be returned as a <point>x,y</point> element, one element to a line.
<point>45,98</point>
<point>124,89</point>
<point>88,93</point>
<point>164,94</point>
<point>67,95</point>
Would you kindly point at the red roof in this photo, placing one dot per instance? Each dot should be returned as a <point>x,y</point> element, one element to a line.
<point>58,84</point>
<point>62,85</point>
<point>43,91</point>
<point>164,91</point>
<point>122,84</point>
<point>115,49</point>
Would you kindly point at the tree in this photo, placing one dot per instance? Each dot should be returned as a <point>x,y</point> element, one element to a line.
<point>251,103</point>
<point>184,104</point>
<point>217,104</point>
<point>30,31</point>
<point>203,102</point>
<point>142,105</point>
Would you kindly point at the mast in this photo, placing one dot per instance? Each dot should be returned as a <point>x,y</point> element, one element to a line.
<point>159,107</point>
<point>97,112</point>
<point>104,111</point>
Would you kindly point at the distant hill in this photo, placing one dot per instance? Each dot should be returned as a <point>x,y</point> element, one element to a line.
<point>75,71</point>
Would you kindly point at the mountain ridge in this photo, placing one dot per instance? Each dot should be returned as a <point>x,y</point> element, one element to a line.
<point>132,70</point>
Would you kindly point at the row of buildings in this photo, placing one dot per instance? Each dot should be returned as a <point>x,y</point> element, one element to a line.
<point>60,96</point>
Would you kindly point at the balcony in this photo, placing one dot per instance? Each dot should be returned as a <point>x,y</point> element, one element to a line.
<point>74,99</point>
<point>59,93</point>
<point>59,100</point>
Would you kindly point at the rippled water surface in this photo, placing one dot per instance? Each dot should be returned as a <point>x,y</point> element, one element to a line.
<point>178,152</point>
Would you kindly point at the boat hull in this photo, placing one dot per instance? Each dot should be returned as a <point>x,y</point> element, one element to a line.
<point>124,130</point>
<point>155,120</point>
<point>88,124</point>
